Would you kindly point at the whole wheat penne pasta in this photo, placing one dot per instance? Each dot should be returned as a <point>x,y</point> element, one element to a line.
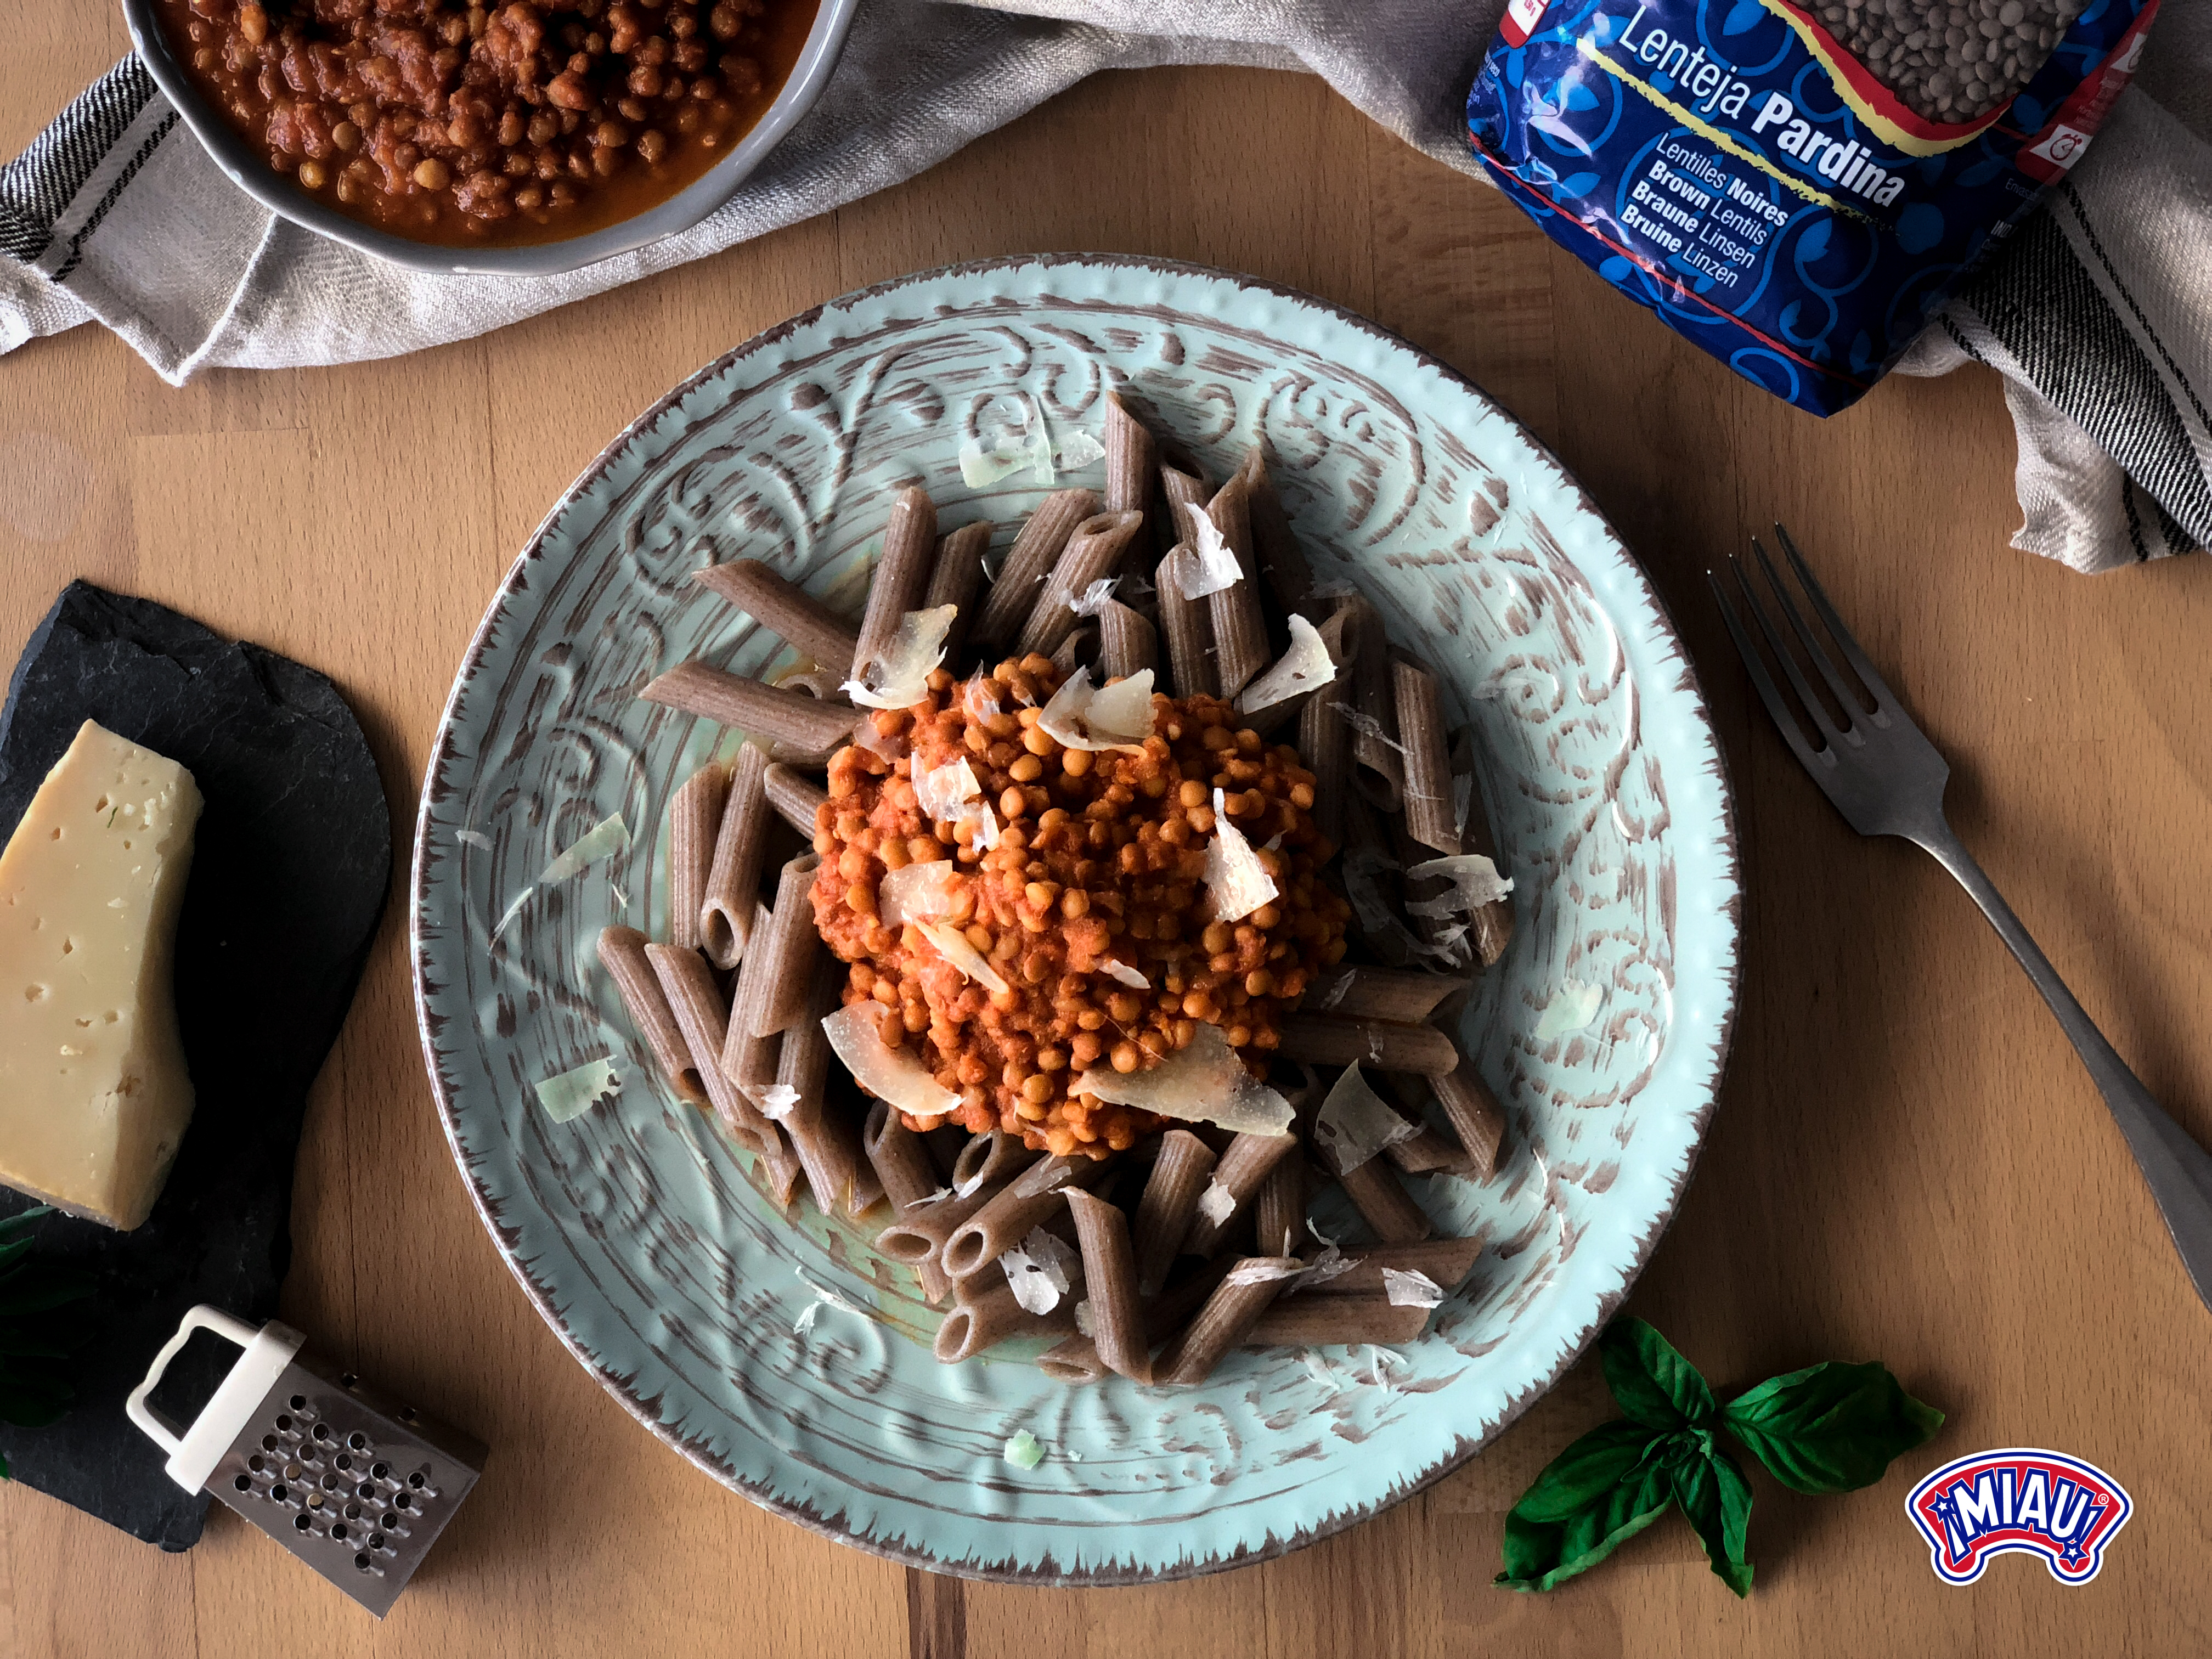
<point>945,1143</point>
<point>695,1003</point>
<point>795,797</point>
<point>1378,762</point>
<point>1076,1359</point>
<point>1325,737</point>
<point>1027,562</point>
<point>789,949</point>
<point>920,1236</point>
<point>1126,644</point>
<point>749,1061</point>
<point>1093,553</point>
<point>1078,650</point>
<point>1429,816</point>
<point>1224,1321</point>
<point>1279,1208</point>
<point>1239,1172</point>
<point>1270,718</point>
<point>1179,1177</point>
<point>1187,627</point>
<point>1275,547</point>
<point>1183,487</point>
<point>822,684</point>
<point>1318,1322</point>
<point>990,1319</point>
<point>1129,452</point>
<point>903,1165</point>
<point>622,952</point>
<point>1379,1196</point>
<point>806,725</point>
<point>1109,1279</point>
<point>1362,991</point>
<point>1331,1040</point>
<point>1368,844</point>
<point>1240,629</point>
<point>1425,1152</point>
<point>733,873</point>
<point>1474,1114</point>
<point>1490,929</point>
<point>992,1160</point>
<point>1413,889</point>
<point>1446,1263</point>
<point>695,814</point>
<point>901,576</point>
<point>1074,1362</point>
<point>827,1142</point>
<point>955,578</point>
<point>784,609</point>
<point>1022,1203</point>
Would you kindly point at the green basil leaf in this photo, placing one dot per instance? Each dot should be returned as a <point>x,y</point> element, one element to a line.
<point>1585,1472</point>
<point>1543,1553</point>
<point>1715,1500</point>
<point>1832,1427</point>
<point>1653,1383</point>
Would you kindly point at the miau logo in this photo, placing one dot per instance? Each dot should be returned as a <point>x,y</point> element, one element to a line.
<point>2037,1501</point>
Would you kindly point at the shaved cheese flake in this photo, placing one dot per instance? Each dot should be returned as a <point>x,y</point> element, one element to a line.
<point>1304,666</point>
<point>1331,1263</point>
<point>981,468</point>
<point>985,822</point>
<point>824,1298</point>
<point>1217,1203</point>
<point>952,945</point>
<point>1235,880</point>
<point>897,1075</point>
<point>979,705</point>
<point>1024,1451</point>
<point>1317,1369</point>
<point>1262,1271</point>
<point>937,1197</point>
<point>1381,1363</point>
<point>1203,1083</point>
<point>604,839</point>
<point>1117,716</point>
<point>1079,448</point>
<point>1475,883</point>
<point>1086,1322</point>
<point>1363,870</point>
<point>941,791</point>
<point>1354,1125</point>
<point>865,736</point>
<point>1041,454</point>
<point>900,677</point>
<point>513,911</point>
<point>915,892</point>
<point>1409,1287</point>
<point>1096,597</point>
<point>576,1091</point>
<point>776,1101</point>
<point>1574,1007</point>
<point>1036,1270</point>
<point>1368,727</point>
<point>1203,564</point>
<point>473,838</point>
<point>1128,975</point>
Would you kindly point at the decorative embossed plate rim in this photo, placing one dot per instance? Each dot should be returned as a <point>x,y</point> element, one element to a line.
<point>1716,906</point>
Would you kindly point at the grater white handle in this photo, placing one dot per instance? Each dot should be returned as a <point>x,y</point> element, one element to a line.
<point>194,1451</point>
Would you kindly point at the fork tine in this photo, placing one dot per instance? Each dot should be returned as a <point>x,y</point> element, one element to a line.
<point>1814,711</point>
<point>1846,698</point>
<point>1884,698</point>
<point>1762,681</point>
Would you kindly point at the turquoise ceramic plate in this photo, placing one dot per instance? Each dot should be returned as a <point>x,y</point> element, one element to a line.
<point>635,1228</point>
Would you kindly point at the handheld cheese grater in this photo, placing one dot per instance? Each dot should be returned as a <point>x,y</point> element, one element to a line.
<point>354,1484</point>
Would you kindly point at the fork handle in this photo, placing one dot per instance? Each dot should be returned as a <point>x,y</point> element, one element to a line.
<point>2178,1170</point>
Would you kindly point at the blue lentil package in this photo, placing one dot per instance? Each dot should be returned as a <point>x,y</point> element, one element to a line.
<point>1796,188</point>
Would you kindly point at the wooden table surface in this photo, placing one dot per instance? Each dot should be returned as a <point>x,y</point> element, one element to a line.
<point>1907,1164</point>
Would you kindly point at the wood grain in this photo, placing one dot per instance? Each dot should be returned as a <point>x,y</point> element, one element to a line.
<point>1908,1164</point>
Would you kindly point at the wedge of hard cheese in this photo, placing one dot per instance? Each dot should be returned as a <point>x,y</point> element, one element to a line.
<point>93,1093</point>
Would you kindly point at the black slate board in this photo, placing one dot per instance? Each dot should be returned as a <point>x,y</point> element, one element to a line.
<point>290,869</point>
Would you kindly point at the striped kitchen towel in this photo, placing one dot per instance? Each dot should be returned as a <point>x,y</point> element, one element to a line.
<point>2099,314</point>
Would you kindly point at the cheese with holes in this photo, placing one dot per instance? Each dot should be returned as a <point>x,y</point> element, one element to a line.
<point>93,1092</point>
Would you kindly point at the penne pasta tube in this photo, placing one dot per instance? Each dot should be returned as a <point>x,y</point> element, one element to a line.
<point>1024,1202</point>
<point>1446,1263</point>
<point>1379,1196</point>
<point>1325,737</point>
<point>1074,1362</point>
<point>1379,764</point>
<point>1490,929</point>
<point>1110,1279</point>
<point>805,725</point>
<point>1126,644</point>
<point>694,815</point>
<point>992,1160</point>
<point>901,576</point>
<point>822,684</point>
<point>955,578</point>
<point>1322,1322</point>
<point>1078,650</point>
<point>1092,554</point>
<point>784,609</point>
<point>1410,852</point>
<point>839,1174</point>
<point>1360,991</point>
<point>1279,1208</point>
<point>1425,1152</point>
<point>945,1143</point>
<point>901,1163</point>
<point>1129,452</point>
<point>1187,627</point>
<point>1183,487</point>
<point>1275,547</point>
<point>989,1319</point>
<point>796,797</point>
<point>622,952</point>
<point>1240,629</point>
<point>919,1237</point>
<point>1225,1320</point>
<point>1179,1178</point>
<point>1330,1040</point>
<point>696,1003</point>
<point>1239,1172</point>
<point>1429,815</point>
<point>1076,1359</point>
<point>733,882</point>
<point>748,1061</point>
<point>789,947</point>
<point>1474,1114</point>
<point>1027,562</point>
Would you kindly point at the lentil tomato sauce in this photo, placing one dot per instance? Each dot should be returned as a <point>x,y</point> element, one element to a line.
<point>483,125</point>
<point>1100,856</point>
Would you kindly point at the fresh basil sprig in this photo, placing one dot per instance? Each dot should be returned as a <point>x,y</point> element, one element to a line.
<point>34,1389</point>
<point>1828,1428</point>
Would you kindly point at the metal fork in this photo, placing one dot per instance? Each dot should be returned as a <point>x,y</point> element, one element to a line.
<point>1886,779</point>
